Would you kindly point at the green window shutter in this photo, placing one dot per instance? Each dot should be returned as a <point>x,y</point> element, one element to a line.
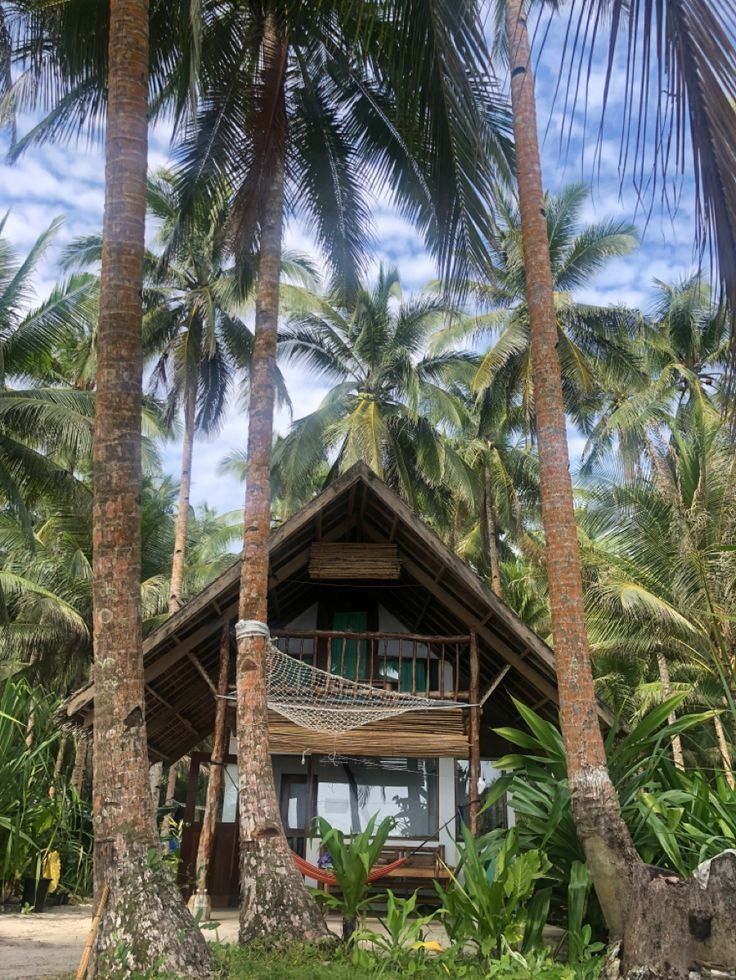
<point>355,664</point>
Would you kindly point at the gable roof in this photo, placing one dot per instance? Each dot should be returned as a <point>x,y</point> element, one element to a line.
<point>437,594</point>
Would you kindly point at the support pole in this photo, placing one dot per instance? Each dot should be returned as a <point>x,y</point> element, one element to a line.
<point>216,780</point>
<point>474,737</point>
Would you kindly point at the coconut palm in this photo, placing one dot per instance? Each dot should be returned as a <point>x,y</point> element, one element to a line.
<point>194,329</point>
<point>47,589</point>
<point>610,853</point>
<point>123,818</point>
<point>683,349</point>
<point>44,428</point>
<point>491,528</point>
<point>591,338</point>
<point>661,552</point>
<point>389,403</point>
<point>324,111</point>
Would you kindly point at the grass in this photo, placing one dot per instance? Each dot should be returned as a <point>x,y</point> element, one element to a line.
<point>257,962</point>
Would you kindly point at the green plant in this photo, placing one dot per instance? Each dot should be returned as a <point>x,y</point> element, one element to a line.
<point>582,953</point>
<point>491,899</point>
<point>676,818</point>
<point>39,812</point>
<point>352,861</point>
<point>402,944</point>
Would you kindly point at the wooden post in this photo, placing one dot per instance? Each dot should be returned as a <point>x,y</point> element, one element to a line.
<point>474,737</point>
<point>216,780</point>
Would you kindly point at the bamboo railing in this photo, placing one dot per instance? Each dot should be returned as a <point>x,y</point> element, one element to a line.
<point>425,666</point>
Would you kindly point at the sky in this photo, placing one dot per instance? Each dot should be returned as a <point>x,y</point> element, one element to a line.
<point>68,180</point>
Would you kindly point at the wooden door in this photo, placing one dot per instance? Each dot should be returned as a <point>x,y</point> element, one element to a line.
<point>222,877</point>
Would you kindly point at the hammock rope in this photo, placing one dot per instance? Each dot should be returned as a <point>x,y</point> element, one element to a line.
<point>327,878</point>
<point>323,702</point>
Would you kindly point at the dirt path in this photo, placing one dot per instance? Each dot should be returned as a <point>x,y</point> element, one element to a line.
<point>51,944</point>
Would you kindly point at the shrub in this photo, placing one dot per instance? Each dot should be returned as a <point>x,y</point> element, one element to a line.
<point>352,861</point>
<point>39,811</point>
<point>677,819</point>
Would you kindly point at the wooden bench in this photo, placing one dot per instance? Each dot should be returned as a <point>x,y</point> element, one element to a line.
<point>424,863</point>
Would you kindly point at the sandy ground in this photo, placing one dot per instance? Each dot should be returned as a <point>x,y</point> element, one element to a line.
<point>50,944</point>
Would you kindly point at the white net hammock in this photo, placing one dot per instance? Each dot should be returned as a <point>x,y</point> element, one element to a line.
<point>324,702</point>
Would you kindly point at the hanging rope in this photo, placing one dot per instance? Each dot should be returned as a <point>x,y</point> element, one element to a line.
<point>324,702</point>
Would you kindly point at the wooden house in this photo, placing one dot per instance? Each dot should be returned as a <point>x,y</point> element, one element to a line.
<point>360,587</point>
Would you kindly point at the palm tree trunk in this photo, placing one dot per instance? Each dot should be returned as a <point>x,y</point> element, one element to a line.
<point>724,751</point>
<point>80,764</point>
<point>610,853</point>
<point>491,534</point>
<point>216,780</point>
<point>59,762</point>
<point>155,774</point>
<point>171,781</point>
<point>273,897</point>
<point>185,486</point>
<point>144,910</point>
<point>664,676</point>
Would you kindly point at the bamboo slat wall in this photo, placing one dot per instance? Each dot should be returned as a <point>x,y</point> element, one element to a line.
<point>415,735</point>
<point>344,560</point>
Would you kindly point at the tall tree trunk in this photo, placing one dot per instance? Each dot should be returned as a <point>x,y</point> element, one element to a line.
<point>490,537</point>
<point>664,676</point>
<point>273,899</point>
<point>609,850</point>
<point>171,782</point>
<point>185,487</point>
<point>216,780</point>
<point>724,751</point>
<point>144,912</point>
<point>155,775</point>
<point>80,764</point>
<point>59,762</point>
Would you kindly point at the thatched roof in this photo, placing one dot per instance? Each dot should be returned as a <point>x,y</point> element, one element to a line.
<point>437,593</point>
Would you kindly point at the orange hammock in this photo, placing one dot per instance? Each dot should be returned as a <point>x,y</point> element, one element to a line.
<point>327,878</point>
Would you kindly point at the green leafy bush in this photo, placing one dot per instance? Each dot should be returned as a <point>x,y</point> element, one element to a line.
<point>352,860</point>
<point>39,811</point>
<point>402,944</point>
<point>491,899</point>
<point>677,819</point>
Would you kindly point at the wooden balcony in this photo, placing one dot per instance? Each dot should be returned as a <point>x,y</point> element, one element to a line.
<point>426,666</point>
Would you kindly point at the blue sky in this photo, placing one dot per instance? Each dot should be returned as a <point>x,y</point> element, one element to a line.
<point>68,180</point>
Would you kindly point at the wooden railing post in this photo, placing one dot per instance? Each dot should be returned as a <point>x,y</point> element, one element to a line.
<point>474,738</point>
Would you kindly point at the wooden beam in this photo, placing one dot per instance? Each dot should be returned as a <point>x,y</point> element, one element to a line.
<point>495,684</point>
<point>474,738</point>
<point>200,669</point>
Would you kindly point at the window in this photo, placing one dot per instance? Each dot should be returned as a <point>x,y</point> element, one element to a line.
<point>490,819</point>
<point>350,791</point>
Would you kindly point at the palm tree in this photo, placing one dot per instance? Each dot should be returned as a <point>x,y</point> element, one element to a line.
<point>659,556</point>
<point>607,844</point>
<point>194,299</point>
<point>698,56</point>
<point>44,428</point>
<point>590,338</point>
<point>308,105</point>
<point>506,499</point>
<point>389,405</point>
<point>683,348</point>
<point>123,809</point>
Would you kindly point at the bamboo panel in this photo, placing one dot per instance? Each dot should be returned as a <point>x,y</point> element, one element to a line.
<point>353,561</point>
<point>417,734</point>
